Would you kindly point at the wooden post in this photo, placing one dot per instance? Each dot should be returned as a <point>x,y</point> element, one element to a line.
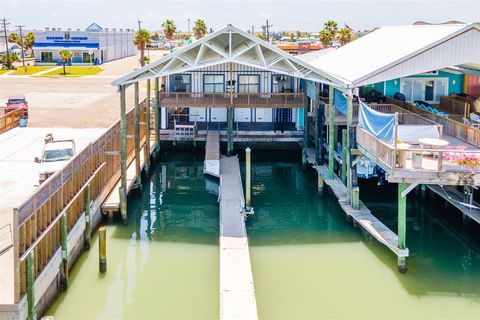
<point>123,155</point>
<point>248,170</point>
<point>146,148</point>
<point>138,173</point>
<point>305,131</point>
<point>157,116</point>
<point>102,248</point>
<point>349,158</point>
<point>320,183</point>
<point>343,168</point>
<point>356,198</point>
<point>32,315</point>
<point>230,115</point>
<point>88,217</point>
<point>331,134</point>
<point>402,225</point>
<point>64,235</point>
<point>320,125</point>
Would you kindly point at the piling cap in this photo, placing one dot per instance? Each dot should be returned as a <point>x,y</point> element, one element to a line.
<point>248,149</point>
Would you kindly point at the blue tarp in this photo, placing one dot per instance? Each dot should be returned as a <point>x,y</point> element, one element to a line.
<point>379,124</point>
<point>339,101</point>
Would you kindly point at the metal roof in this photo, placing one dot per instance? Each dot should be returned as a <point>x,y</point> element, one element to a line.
<point>229,44</point>
<point>394,52</point>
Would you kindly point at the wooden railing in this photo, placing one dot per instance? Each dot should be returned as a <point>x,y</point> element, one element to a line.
<point>385,154</point>
<point>456,105</point>
<point>10,119</point>
<point>98,165</point>
<point>451,127</point>
<point>239,100</point>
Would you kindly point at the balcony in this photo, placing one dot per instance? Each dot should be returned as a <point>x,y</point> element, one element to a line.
<point>237,100</point>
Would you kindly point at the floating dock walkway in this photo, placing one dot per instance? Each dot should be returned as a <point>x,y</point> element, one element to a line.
<point>212,154</point>
<point>362,216</point>
<point>237,293</point>
<point>455,198</point>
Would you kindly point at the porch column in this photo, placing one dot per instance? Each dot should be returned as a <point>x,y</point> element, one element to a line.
<point>123,155</point>
<point>157,116</point>
<point>305,130</point>
<point>230,130</point>
<point>146,148</point>
<point>402,225</point>
<point>138,174</point>
<point>349,158</point>
<point>331,134</point>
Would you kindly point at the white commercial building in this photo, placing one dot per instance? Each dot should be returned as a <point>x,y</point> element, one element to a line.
<point>95,45</point>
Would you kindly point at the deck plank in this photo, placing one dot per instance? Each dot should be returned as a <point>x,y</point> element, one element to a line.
<point>212,154</point>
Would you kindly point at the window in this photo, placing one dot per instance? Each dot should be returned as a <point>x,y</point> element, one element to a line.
<point>424,89</point>
<point>87,58</point>
<point>429,90</point>
<point>440,89</point>
<point>46,56</point>
<point>249,83</point>
<point>213,83</point>
<point>281,83</point>
<point>180,83</point>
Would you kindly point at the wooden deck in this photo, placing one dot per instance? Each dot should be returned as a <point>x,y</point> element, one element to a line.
<point>237,292</point>
<point>112,203</point>
<point>212,154</point>
<point>363,217</point>
<point>455,198</point>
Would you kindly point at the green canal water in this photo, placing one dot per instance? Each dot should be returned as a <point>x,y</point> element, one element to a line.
<point>308,262</point>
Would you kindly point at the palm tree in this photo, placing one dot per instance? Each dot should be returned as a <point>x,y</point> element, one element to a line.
<point>199,29</point>
<point>331,26</point>
<point>65,55</point>
<point>169,29</point>
<point>9,59</point>
<point>29,41</point>
<point>142,38</point>
<point>325,37</point>
<point>14,38</point>
<point>345,36</point>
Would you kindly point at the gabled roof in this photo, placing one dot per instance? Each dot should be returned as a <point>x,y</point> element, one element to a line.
<point>394,52</point>
<point>229,44</point>
<point>94,27</point>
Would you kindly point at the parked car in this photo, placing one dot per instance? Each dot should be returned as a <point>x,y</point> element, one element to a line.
<point>55,154</point>
<point>15,102</point>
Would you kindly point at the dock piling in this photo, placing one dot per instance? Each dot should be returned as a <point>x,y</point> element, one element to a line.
<point>331,134</point>
<point>230,130</point>
<point>32,315</point>
<point>123,155</point>
<point>138,175</point>
<point>88,217</point>
<point>248,152</point>
<point>320,183</point>
<point>356,198</point>
<point>343,170</point>
<point>402,225</point>
<point>146,149</point>
<point>64,234</point>
<point>157,116</point>
<point>305,132</point>
<point>102,248</point>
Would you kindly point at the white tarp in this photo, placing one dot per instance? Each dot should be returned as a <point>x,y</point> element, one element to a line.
<point>411,133</point>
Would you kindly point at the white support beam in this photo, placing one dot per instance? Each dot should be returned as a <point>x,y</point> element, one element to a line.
<point>408,189</point>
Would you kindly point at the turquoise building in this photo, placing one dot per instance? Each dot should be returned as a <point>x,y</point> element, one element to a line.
<point>427,87</point>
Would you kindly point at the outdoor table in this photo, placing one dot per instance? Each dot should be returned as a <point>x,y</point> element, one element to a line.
<point>432,142</point>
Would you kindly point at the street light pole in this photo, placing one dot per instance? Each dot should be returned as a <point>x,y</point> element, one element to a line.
<point>23,49</point>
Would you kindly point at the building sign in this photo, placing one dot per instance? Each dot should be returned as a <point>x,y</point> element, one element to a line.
<point>304,46</point>
<point>66,38</point>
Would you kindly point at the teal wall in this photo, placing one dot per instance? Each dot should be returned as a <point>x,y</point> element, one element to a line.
<point>455,83</point>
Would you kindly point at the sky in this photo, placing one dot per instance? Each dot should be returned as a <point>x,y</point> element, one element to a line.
<point>283,15</point>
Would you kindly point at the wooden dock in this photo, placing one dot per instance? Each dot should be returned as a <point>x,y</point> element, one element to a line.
<point>212,154</point>
<point>112,203</point>
<point>363,216</point>
<point>237,292</point>
<point>455,198</point>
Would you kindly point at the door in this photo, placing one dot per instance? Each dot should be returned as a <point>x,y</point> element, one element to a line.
<point>263,115</point>
<point>407,89</point>
<point>246,84</point>
<point>215,83</point>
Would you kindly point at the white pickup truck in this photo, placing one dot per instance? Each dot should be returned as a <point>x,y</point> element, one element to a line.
<point>56,153</point>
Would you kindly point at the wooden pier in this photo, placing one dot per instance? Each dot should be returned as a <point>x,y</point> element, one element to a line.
<point>212,154</point>
<point>456,198</point>
<point>363,217</point>
<point>237,292</point>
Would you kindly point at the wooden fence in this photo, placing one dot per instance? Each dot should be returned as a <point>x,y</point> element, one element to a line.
<point>451,127</point>
<point>456,105</point>
<point>98,165</point>
<point>10,120</point>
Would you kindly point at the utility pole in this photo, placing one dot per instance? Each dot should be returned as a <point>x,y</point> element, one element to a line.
<point>23,49</point>
<point>6,39</point>
<point>266,30</point>
<point>188,25</point>
<point>253,30</point>
<point>139,22</point>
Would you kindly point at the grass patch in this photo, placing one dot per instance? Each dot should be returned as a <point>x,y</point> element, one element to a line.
<point>4,71</point>
<point>31,69</point>
<point>73,71</point>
